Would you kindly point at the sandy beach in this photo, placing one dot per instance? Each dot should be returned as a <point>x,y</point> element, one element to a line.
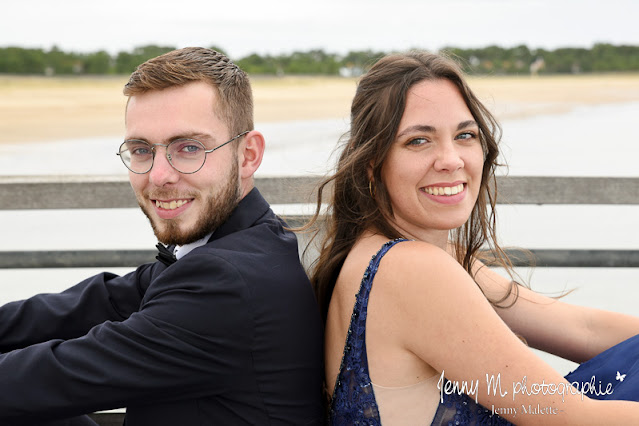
<point>45,109</point>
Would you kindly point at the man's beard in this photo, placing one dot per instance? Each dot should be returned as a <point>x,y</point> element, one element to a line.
<point>217,209</point>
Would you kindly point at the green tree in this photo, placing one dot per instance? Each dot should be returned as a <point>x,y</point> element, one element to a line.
<point>312,62</point>
<point>125,62</point>
<point>60,62</point>
<point>567,60</point>
<point>98,63</point>
<point>360,61</point>
<point>602,57</point>
<point>17,60</point>
<point>256,64</point>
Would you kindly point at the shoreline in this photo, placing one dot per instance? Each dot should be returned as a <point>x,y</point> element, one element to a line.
<point>42,109</point>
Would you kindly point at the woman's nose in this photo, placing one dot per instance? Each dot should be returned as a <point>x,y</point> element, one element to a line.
<point>448,157</point>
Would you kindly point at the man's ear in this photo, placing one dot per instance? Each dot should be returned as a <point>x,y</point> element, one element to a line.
<point>251,153</point>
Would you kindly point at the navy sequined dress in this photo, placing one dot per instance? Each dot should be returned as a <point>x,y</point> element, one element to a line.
<point>613,374</point>
<point>353,401</point>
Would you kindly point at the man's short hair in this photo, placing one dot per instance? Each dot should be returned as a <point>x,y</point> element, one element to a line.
<point>183,66</point>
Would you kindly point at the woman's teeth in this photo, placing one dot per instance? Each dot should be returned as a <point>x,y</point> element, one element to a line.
<point>446,190</point>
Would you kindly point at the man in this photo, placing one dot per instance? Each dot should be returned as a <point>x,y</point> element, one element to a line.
<point>228,334</point>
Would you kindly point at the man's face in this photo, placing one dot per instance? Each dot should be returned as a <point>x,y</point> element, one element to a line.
<point>183,208</point>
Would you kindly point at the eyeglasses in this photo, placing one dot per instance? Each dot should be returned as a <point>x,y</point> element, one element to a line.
<point>185,155</point>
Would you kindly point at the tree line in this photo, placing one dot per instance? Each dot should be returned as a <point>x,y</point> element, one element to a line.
<point>487,60</point>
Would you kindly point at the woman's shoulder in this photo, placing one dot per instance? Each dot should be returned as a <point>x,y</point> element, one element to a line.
<point>412,264</point>
<point>410,257</point>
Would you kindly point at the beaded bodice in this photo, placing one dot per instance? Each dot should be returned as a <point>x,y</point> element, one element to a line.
<point>353,401</point>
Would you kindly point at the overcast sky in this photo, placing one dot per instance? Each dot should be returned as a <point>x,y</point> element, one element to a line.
<point>242,27</point>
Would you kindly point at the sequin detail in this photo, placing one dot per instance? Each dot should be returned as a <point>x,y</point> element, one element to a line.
<point>353,401</point>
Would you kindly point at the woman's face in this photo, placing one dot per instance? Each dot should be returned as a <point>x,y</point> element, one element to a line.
<point>433,170</point>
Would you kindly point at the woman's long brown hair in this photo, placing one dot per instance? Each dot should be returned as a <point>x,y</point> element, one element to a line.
<point>359,199</point>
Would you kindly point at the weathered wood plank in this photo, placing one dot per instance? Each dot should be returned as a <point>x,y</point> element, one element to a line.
<point>86,192</point>
<point>75,258</point>
<point>99,192</point>
<point>65,192</point>
<point>567,190</point>
<point>134,258</point>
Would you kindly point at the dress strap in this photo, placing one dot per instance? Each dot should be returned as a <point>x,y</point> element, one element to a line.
<point>367,281</point>
<point>353,395</point>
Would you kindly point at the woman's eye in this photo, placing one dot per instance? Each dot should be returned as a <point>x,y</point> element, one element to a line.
<point>417,142</point>
<point>466,135</point>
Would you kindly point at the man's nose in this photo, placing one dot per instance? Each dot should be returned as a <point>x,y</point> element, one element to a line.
<point>162,172</point>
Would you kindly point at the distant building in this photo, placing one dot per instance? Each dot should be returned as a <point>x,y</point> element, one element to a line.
<point>351,71</point>
<point>537,65</point>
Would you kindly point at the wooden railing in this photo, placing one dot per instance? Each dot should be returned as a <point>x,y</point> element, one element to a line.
<point>92,192</point>
<point>89,192</point>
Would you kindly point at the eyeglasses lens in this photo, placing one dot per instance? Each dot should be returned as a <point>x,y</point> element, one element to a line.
<point>185,155</point>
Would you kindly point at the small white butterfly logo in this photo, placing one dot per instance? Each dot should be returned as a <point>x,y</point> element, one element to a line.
<point>620,377</point>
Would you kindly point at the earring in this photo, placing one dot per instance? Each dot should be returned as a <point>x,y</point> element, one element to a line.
<point>371,190</point>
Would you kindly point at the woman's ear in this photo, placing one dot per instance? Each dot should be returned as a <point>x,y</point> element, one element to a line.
<point>250,154</point>
<point>369,171</point>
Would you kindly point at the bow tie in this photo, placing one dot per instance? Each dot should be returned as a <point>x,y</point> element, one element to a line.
<point>165,255</point>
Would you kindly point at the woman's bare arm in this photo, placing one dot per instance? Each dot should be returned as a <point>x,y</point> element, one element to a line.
<point>443,318</point>
<point>573,332</point>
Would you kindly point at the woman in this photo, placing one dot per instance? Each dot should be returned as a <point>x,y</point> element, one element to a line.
<point>438,337</point>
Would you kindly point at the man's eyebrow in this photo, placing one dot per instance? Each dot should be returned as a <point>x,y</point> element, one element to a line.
<point>198,136</point>
<point>425,128</point>
<point>192,135</point>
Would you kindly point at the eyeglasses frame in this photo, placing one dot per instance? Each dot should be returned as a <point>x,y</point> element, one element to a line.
<point>168,157</point>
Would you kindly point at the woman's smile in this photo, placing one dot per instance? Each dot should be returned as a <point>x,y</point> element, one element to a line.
<point>445,193</point>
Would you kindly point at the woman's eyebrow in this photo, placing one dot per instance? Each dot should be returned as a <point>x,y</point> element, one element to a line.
<point>417,128</point>
<point>466,124</point>
<point>425,128</point>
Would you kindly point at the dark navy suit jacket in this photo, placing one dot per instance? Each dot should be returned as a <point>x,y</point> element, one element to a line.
<point>228,335</point>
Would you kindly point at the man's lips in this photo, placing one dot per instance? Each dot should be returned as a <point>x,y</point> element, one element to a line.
<point>171,208</point>
<point>171,204</point>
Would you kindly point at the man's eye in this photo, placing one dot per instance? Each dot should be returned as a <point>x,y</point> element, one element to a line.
<point>190,148</point>
<point>140,150</point>
<point>186,146</point>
